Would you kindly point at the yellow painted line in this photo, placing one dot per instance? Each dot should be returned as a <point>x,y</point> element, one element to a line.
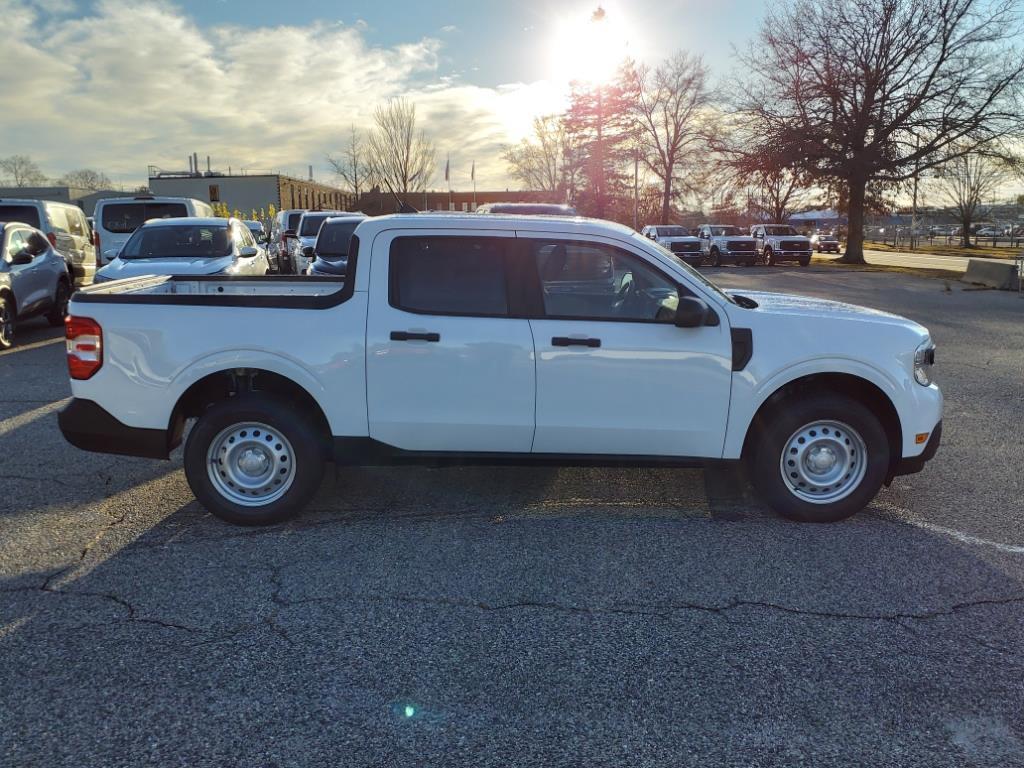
<point>19,421</point>
<point>33,345</point>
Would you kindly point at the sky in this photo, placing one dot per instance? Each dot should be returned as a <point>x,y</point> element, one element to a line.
<point>119,85</point>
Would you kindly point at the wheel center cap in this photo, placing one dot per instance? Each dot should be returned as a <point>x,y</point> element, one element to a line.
<point>253,462</point>
<point>821,459</point>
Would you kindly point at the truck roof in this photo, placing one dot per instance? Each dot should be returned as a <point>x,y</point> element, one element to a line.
<point>496,221</point>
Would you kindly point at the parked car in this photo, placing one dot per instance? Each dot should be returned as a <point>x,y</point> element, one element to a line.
<point>282,234</point>
<point>678,240</point>
<point>825,242</point>
<point>528,209</point>
<point>780,242</point>
<point>260,235</point>
<point>330,254</point>
<point>308,229</point>
<point>459,339</point>
<point>64,225</point>
<point>720,243</point>
<point>188,246</point>
<point>34,279</point>
<point>990,232</point>
<point>117,218</point>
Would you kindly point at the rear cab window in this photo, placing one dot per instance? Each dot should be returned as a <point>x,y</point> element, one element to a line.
<point>128,216</point>
<point>449,275</point>
<point>26,214</point>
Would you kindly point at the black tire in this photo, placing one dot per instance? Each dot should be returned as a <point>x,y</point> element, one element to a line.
<point>716,257</point>
<point>805,260</point>
<point>769,257</point>
<point>299,430</point>
<point>784,422</point>
<point>56,315</point>
<point>8,315</point>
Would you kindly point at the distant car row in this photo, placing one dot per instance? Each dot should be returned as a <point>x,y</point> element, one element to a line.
<point>719,244</point>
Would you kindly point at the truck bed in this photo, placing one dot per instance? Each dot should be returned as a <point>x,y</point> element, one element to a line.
<point>220,290</point>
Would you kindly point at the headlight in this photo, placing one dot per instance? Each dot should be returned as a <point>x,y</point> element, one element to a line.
<point>924,359</point>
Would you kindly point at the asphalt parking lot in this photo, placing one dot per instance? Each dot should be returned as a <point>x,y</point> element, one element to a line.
<point>516,617</point>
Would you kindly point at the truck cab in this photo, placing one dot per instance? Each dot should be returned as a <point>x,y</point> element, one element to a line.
<point>781,242</point>
<point>726,244</point>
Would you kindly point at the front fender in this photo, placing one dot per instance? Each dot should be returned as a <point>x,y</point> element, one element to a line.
<point>750,391</point>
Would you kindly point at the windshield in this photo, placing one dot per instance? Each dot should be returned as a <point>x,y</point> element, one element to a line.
<point>185,241</point>
<point>335,237</point>
<point>726,231</point>
<point>673,232</point>
<point>127,217</point>
<point>311,225</point>
<point>787,230</point>
<point>693,272</point>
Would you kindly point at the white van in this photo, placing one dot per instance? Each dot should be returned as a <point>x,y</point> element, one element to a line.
<point>117,218</point>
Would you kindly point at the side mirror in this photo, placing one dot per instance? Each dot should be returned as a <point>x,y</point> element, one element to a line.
<point>247,252</point>
<point>691,312</point>
<point>289,233</point>
<point>307,251</point>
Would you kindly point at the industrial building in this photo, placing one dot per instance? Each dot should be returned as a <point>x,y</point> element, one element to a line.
<point>248,192</point>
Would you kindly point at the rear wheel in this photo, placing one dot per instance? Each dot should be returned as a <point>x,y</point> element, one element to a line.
<point>819,458</point>
<point>60,305</point>
<point>254,459</point>
<point>7,317</point>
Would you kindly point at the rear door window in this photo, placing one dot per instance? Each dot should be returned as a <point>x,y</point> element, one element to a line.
<point>293,220</point>
<point>127,217</point>
<point>26,214</point>
<point>449,276</point>
<point>58,218</point>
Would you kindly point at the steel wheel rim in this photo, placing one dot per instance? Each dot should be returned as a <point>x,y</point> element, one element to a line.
<point>251,464</point>
<point>824,462</point>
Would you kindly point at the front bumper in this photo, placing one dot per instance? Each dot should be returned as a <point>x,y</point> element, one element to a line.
<point>87,425</point>
<point>791,255</point>
<point>913,464</point>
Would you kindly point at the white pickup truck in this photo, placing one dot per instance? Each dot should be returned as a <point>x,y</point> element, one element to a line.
<point>780,242</point>
<point>507,340</point>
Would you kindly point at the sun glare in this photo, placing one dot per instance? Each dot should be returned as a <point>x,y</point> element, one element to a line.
<point>589,44</point>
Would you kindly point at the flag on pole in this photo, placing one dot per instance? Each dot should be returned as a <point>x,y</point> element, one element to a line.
<point>472,173</point>
<point>447,169</point>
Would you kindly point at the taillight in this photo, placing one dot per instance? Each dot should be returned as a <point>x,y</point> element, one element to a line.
<point>52,238</point>
<point>84,346</point>
<point>96,241</point>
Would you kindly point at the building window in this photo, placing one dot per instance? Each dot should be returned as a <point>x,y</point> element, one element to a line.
<point>465,207</point>
<point>215,193</point>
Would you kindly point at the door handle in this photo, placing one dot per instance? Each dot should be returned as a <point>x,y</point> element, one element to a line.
<point>410,336</point>
<point>566,341</point>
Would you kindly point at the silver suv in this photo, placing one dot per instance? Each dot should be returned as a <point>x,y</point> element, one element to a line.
<point>34,279</point>
<point>64,225</point>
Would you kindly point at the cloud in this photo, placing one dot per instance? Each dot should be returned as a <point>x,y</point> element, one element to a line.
<point>137,83</point>
<point>449,29</point>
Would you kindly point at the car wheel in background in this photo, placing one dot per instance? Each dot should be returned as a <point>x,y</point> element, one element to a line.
<point>7,317</point>
<point>819,458</point>
<point>56,315</point>
<point>255,459</point>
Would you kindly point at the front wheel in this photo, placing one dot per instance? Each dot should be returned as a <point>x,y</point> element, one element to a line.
<point>254,459</point>
<point>819,458</point>
<point>716,257</point>
<point>769,257</point>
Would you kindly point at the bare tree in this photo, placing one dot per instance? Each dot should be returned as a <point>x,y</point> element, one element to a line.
<point>22,171</point>
<point>670,106</point>
<point>967,181</point>
<point>86,178</point>
<point>400,155</point>
<point>868,91</point>
<point>777,193</point>
<point>352,165</point>
<point>539,162</point>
